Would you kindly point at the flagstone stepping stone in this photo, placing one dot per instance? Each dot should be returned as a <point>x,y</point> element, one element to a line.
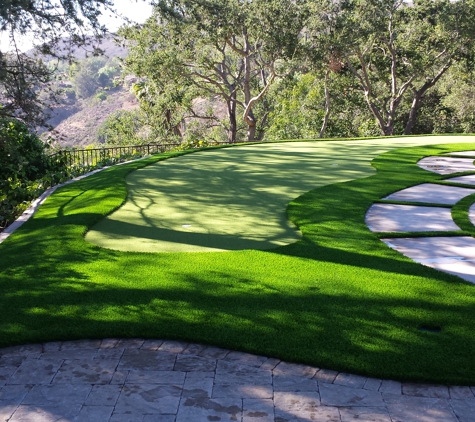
<point>431,193</point>
<point>446,165</point>
<point>408,218</point>
<point>467,180</point>
<point>454,255</point>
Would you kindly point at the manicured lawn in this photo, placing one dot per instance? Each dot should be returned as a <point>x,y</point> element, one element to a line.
<point>338,298</point>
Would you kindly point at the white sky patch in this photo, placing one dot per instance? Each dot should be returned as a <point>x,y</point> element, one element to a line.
<point>137,11</point>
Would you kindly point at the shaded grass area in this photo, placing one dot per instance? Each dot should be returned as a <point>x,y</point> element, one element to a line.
<point>339,298</point>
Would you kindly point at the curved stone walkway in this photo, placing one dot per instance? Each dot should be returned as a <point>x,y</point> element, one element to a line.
<point>454,254</point>
<point>168,381</point>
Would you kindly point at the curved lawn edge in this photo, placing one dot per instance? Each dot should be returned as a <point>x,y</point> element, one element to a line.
<point>338,299</point>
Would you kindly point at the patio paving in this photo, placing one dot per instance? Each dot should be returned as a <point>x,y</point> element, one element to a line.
<point>168,381</point>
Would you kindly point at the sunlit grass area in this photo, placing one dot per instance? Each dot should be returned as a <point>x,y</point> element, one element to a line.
<point>337,297</point>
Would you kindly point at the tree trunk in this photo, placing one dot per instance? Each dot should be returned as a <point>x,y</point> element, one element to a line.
<point>411,120</point>
<point>232,133</point>
<point>251,127</point>
<point>327,107</point>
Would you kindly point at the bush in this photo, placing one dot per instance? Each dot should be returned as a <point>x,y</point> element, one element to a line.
<point>26,170</point>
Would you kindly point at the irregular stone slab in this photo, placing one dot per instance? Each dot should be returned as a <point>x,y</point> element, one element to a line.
<point>471,213</point>
<point>446,165</point>
<point>454,255</point>
<point>194,349</point>
<point>206,410</point>
<point>431,193</point>
<point>214,352</point>
<point>148,399</point>
<point>23,350</point>
<point>6,372</point>
<point>408,218</point>
<point>245,359</point>
<point>229,373</point>
<point>86,371</point>
<point>391,387</point>
<point>367,414</point>
<point>417,409</point>
<point>467,180</point>
<point>261,410</point>
<point>151,344</point>
<point>339,395</point>
<point>372,384</point>
<point>81,344</point>
<point>13,394</point>
<point>173,346</point>
<point>326,375</point>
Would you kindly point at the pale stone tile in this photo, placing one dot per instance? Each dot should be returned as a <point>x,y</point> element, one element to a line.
<point>339,395</point>
<point>103,395</point>
<point>200,375</point>
<point>151,344</point>
<point>270,364</point>
<point>464,409</point>
<point>294,383</point>
<point>228,373</point>
<point>86,371</point>
<point>109,343</point>
<point>194,364</point>
<point>247,359</point>
<point>243,390</point>
<point>461,393</point>
<point>11,361</point>
<point>6,411</point>
<point>214,353</point>
<point>129,417</point>
<point>159,418</point>
<point>372,384</point>
<point>147,360</point>
<point>130,343</point>
<point>205,410</point>
<point>295,369</point>
<point>366,414</point>
<point>32,413</point>
<point>119,377</point>
<point>156,377</point>
<point>197,387</point>
<point>326,375</point>
<point>36,372</point>
<point>285,401</point>
<point>425,390</point>
<point>391,387</point>
<point>70,354</point>
<point>194,349</point>
<point>350,380</point>
<point>173,346</point>
<point>81,344</point>
<point>5,374</point>
<point>113,353</point>
<point>148,399</point>
<point>52,346</point>
<point>411,409</point>
<point>13,394</point>
<point>23,350</point>
<point>260,410</point>
<point>317,414</point>
<point>57,395</point>
<point>94,414</point>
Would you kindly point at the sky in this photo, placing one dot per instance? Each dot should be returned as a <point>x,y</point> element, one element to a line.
<point>137,11</point>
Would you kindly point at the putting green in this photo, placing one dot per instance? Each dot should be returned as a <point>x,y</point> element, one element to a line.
<point>233,198</point>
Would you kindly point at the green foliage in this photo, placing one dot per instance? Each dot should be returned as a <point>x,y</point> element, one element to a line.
<point>122,128</point>
<point>25,169</point>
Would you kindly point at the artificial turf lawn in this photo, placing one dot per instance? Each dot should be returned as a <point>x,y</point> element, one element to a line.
<point>338,298</point>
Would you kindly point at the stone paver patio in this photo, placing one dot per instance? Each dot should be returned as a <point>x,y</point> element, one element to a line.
<point>124,380</point>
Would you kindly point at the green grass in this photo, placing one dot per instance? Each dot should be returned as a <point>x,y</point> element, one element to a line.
<point>338,298</point>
